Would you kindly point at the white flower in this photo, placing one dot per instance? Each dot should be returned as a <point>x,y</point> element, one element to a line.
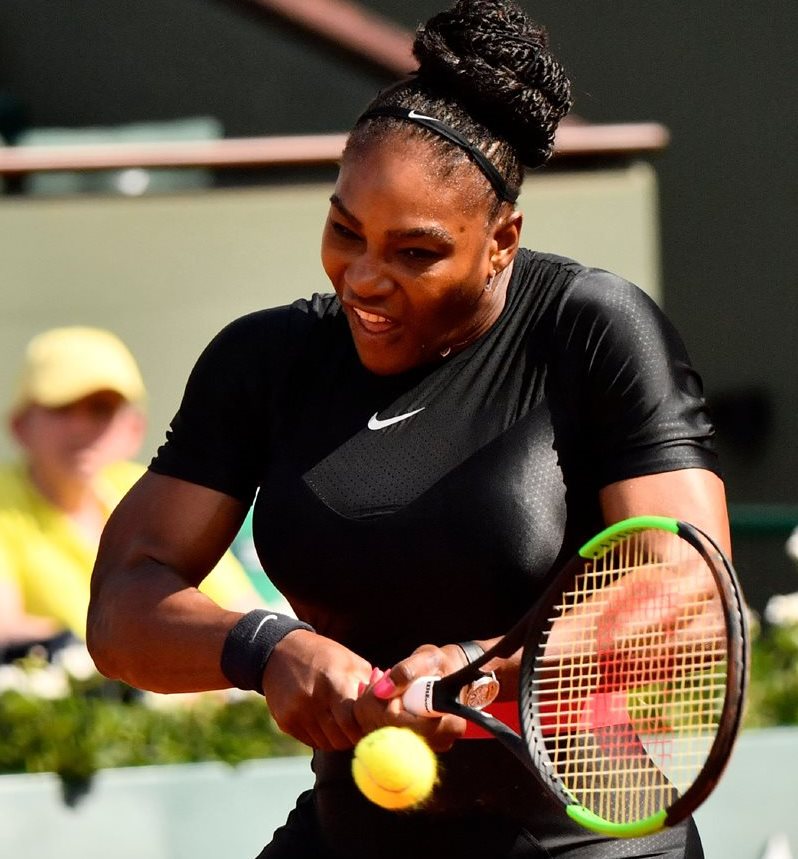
<point>782,609</point>
<point>76,661</point>
<point>13,679</point>
<point>50,683</point>
<point>45,682</point>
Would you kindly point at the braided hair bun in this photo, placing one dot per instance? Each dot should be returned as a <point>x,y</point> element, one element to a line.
<point>489,56</point>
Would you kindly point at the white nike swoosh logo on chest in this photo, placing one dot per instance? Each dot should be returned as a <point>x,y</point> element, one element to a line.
<point>376,424</point>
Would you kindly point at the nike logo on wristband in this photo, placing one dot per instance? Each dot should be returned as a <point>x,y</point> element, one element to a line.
<point>376,424</point>
<point>257,628</point>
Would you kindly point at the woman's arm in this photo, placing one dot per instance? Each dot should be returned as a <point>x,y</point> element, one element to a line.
<point>694,495</point>
<point>149,625</point>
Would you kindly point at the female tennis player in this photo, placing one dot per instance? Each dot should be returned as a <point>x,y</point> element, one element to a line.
<point>427,444</point>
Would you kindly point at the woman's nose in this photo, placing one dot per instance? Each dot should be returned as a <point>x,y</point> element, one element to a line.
<point>364,277</point>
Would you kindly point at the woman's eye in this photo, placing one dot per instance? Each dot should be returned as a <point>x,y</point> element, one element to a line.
<point>420,254</point>
<point>343,231</point>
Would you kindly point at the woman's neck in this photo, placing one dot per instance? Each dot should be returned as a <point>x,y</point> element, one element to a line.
<point>497,295</point>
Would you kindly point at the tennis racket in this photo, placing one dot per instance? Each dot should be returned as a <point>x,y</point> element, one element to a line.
<point>632,678</point>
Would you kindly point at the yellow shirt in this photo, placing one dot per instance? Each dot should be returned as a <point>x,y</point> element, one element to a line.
<point>51,562</point>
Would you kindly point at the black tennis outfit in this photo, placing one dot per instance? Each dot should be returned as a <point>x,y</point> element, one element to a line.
<point>429,506</point>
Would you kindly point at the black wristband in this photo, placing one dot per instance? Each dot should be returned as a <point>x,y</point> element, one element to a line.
<point>250,643</point>
<point>471,649</point>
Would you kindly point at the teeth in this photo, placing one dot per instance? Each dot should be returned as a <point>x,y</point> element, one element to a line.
<point>370,317</point>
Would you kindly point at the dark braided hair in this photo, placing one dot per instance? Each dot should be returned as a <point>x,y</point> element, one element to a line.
<point>486,71</point>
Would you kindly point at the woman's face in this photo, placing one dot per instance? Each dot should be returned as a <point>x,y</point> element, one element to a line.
<point>409,254</point>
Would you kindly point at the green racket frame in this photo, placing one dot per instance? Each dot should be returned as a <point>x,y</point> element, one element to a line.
<point>737,646</point>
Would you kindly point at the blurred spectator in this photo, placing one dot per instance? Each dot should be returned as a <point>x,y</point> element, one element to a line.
<point>78,419</point>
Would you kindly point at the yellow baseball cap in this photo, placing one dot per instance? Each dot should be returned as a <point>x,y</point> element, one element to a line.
<point>64,365</point>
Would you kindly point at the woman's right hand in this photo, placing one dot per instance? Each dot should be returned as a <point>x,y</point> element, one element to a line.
<point>381,704</point>
<point>311,684</point>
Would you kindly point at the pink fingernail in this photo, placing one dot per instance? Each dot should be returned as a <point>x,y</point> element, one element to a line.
<point>385,687</point>
<point>361,688</point>
<point>376,673</point>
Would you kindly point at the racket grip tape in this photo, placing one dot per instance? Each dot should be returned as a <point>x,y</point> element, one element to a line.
<point>417,698</point>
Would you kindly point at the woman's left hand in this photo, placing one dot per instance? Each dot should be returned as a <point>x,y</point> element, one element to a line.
<point>380,703</point>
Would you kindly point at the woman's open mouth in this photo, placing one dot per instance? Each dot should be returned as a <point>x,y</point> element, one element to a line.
<point>374,323</point>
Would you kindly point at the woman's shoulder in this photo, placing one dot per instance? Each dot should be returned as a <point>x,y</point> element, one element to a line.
<point>257,355</point>
<point>319,308</point>
<point>587,292</point>
<point>605,291</point>
<point>568,290</point>
<point>278,327</point>
<point>588,307</point>
<point>580,283</point>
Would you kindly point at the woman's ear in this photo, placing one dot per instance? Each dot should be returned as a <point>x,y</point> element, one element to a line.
<point>505,240</point>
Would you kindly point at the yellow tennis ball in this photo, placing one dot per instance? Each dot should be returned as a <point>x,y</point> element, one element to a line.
<point>394,767</point>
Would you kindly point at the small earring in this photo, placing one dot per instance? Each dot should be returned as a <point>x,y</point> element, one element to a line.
<point>489,284</point>
<point>445,352</point>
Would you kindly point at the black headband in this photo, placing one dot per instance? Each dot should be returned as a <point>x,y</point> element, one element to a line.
<point>503,191</point>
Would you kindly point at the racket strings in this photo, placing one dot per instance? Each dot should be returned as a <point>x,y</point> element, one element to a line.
<point>629,684</point>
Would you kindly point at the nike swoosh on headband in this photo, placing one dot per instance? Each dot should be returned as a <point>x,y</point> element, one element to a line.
<point>376,424</point>
<point>414,114</point>
<point>500,186</point>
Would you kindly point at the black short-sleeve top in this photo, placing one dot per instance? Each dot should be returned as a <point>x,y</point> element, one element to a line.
<point>428,507</point>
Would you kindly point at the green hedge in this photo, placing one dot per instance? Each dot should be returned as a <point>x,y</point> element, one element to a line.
<point>55,722</point>
<point>773,697</point>
<point>77,735</point>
